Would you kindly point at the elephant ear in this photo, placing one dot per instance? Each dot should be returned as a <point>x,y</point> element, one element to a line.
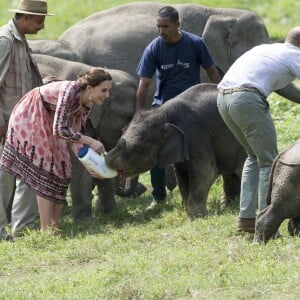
<point>221,29</point>
<point>175,148</point>
<point>220,35</point>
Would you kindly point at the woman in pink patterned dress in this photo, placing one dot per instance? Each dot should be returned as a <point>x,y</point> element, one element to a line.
<point>41,125</point>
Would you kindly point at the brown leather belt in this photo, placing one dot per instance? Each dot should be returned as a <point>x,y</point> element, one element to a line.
<point>243,89</point>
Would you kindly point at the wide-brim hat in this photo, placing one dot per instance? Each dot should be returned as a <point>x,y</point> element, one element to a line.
<point>32,7</point>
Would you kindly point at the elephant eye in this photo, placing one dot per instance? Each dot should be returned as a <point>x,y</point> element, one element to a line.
<point>122,143</point>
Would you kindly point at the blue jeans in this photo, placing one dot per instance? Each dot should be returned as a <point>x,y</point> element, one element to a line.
<point>247,115</point>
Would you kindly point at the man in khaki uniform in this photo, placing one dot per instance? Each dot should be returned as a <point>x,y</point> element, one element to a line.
<point>18,75</point>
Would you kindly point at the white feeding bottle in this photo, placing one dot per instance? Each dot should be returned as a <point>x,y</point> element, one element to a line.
<point>95,162</point>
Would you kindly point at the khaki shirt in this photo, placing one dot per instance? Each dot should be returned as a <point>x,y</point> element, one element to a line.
<point>18,71</point>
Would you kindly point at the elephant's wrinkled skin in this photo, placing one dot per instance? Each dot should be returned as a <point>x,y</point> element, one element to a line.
<point>228,33</point>
<point>105,123</point>
<point>283,197</point>
<point>56,48</point>
<point>117,37</point>
<point>189,132</point>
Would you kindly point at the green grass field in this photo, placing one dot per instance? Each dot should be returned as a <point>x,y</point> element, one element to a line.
<point>138,254</point>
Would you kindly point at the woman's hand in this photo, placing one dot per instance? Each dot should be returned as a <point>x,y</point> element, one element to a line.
<point>97,146</point>
<point>92,143</point>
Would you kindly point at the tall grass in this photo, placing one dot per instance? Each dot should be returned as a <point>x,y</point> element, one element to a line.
<point>134,253</point>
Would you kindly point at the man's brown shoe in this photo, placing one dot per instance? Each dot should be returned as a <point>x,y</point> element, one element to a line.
<point>246,225</point>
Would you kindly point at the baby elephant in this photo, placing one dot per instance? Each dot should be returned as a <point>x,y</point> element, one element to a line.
<point>188,132</point>
<point>283,197</point>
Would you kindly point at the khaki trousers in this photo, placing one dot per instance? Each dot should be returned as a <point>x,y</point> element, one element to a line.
<point>247,115</point>
<point>18,204</point>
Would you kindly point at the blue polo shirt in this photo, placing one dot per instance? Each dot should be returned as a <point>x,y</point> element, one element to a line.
<point>176,65</point>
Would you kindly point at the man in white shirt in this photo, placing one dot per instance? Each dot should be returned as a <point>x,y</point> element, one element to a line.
<point>243,106</point>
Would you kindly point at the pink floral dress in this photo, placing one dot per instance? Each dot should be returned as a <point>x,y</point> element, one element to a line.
<point>40,127</point>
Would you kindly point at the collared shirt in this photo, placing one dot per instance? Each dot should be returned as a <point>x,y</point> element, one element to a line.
<point>18,72</point>
<point>5,57</point>
<point>176,65</point>
<point>267,67</point>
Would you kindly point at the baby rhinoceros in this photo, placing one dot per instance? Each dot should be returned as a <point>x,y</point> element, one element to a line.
<point>283,197</point>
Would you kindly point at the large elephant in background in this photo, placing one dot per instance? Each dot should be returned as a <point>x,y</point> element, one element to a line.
<point>116,37</point>
<point>57,48</point>
<point>105,123</point>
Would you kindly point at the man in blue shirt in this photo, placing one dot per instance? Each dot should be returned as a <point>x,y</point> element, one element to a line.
<point>175,57</point>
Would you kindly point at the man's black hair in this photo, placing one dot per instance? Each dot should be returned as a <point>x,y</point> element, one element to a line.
<point>169,11</point>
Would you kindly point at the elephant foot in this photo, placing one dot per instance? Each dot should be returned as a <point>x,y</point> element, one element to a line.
<point>83,214</point>
<point>130,187</point>
<point>106,206</point>
<point>197,214</point>
<point>264,237</point>
<point>171,180</point>
<point>267,225</point>
<point>294,227</point>
<point>260,238</point>
<point>139,189</point>
<point>122,192</point>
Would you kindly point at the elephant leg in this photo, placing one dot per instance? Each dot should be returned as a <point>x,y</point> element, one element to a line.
<point>200,185</point>
<point>139,189</point>
<point>294,226</point>
<point>231,189</point>
<point>126,187</point>
<point>183,184</point>
<point>171,181</point>
<point>81,187</point>
<point>194,186</point>
<point>267,223</point>
<point>196,207</point>
<point>120,186</point>
<point>106,201</point>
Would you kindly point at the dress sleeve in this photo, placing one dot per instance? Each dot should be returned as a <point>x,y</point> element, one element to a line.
<point>68,117</point>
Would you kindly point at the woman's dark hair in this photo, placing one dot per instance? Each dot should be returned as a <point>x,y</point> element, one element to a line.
<point>93,77</point>
<point>169,11</point>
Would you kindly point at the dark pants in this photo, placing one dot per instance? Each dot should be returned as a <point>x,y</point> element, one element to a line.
<point>158,181</point>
